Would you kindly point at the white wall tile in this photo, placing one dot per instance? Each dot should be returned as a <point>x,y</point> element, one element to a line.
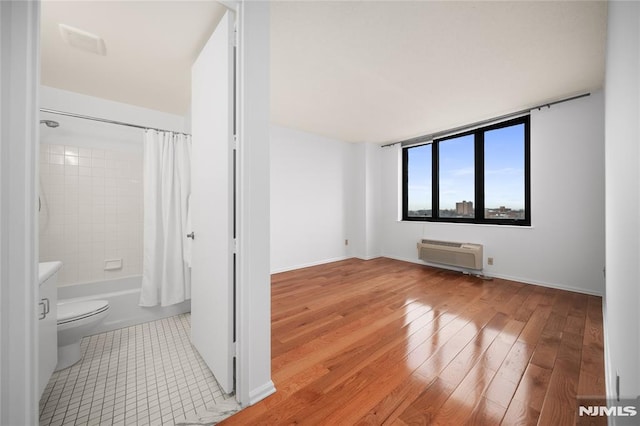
<point>98,162</point>
<point>70,180</point>
<point>85,255</point>
<point>56,149</point>
<point>71,150</point>
<point>84,272</point>
<point>97,216</point>
<point>92,210</point>
<point>56,159</point>
<point>71,217</point>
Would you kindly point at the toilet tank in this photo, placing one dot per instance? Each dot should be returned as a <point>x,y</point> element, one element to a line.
<point>47,322</point>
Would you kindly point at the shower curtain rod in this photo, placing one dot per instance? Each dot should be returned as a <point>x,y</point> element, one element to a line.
<point>104,120</point>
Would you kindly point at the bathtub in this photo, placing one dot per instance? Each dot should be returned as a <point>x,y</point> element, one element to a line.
<point>123,295</point>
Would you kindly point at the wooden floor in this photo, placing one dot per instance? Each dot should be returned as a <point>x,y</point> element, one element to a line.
<point>389,342</point>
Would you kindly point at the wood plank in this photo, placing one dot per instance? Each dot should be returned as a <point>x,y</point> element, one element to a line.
<point>520,413</point>
<point>379,379</point>
<point>458,407</point>
<point>422,411</point>
<point>396,400</point>
<point>545,353</point>
<point>389,342</point>
<point>560,405</point>
<point>487,413</point>
<point>526,404</point>
<point>532,389</point>
<point>592,383</point>
<point>407,392</point>
<point>535,325</point>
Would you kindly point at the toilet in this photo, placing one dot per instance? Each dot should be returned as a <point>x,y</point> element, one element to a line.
<point>76,319</point>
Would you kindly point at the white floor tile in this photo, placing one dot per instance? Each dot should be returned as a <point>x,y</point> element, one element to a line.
<point>144,374</point>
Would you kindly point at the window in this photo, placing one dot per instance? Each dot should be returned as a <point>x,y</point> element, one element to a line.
<point>456,177</point>
<point>481,176</point>
<point>418,169</point>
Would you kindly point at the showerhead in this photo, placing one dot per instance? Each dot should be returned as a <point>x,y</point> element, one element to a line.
<point>50,123</point>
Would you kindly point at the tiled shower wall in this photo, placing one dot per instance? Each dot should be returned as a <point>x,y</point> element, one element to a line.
<point>91,211</point>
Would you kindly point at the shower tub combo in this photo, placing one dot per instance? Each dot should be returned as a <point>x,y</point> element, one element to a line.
<point>123,295</point>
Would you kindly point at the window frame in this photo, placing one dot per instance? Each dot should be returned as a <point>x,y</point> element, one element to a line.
<point>479,192</point>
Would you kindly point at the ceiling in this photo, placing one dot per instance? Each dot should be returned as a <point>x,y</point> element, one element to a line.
<point>358,71</point>
<point>150,48</point>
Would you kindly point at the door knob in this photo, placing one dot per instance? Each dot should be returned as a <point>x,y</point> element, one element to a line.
<point>191,235</point>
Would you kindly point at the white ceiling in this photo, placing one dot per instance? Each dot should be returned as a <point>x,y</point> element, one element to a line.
<point>358,71</point>
<point>150,48</point>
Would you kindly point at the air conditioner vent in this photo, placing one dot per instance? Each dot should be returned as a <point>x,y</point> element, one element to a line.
<point>442,243</point>
<point>462,255</point>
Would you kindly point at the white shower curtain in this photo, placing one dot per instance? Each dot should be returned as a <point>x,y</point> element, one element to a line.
<point>166,277</point>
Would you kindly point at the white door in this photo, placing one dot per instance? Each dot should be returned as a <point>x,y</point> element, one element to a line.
<point>212,273</point>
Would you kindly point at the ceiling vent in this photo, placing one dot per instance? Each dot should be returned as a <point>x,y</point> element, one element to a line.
<point>83,40</point>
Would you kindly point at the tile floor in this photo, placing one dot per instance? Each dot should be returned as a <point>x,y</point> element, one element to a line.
<point>147,374</point>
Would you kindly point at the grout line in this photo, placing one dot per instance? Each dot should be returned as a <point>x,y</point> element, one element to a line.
<point>154,360</point>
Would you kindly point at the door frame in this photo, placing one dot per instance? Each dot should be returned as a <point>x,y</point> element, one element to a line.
<point>19,77</point>
<point>253,269</point>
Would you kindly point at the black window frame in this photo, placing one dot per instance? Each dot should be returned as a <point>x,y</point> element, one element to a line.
<point>479,206</point>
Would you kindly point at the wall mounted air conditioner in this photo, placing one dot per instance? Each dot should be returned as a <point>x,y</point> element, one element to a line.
<point>462,255</point>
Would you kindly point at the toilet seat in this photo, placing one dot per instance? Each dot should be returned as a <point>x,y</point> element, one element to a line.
<point>76,311</point>
<point>76,319</point>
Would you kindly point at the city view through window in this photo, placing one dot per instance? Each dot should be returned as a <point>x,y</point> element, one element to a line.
<point>464,209</point>
<point>503,173</point>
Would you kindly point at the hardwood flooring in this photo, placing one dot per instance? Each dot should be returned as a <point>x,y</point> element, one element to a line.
<point>389,342</point>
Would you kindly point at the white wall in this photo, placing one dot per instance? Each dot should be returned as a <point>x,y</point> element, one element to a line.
<point>373,201</point>
<point>323,192</point>
<point>622,320</point>
<point>326,191</point>
<point>564,247</point>
<point>364,201</point>
<point>310,180</point>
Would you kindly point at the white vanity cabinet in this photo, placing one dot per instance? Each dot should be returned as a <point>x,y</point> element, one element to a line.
<point>47,322</point>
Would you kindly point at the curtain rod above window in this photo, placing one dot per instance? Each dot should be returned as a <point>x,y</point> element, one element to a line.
<point>104,120</point>
<point>427,138</point>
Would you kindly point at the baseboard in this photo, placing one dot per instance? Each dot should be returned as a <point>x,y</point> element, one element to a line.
<point>549,285</point>
<point>367,257</point>
<point>506,277</point>
<point>307,265</point>
<point>261,392</point>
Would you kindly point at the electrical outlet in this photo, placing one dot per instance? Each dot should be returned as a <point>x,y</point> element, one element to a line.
<point>346,242</point>
<point>490,261</point>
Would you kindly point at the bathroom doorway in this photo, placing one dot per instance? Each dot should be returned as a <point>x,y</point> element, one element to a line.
<point>93,170</point>
<point>20,22</point>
